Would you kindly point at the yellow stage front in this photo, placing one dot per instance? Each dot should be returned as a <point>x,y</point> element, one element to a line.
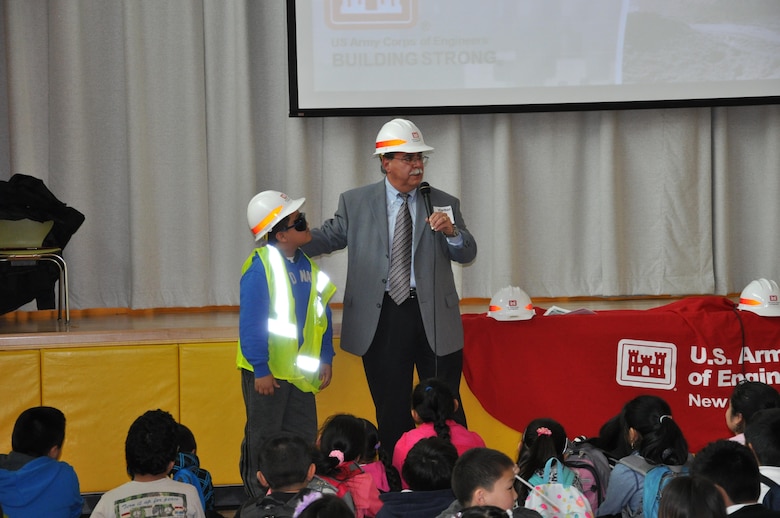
<point>103,388</point>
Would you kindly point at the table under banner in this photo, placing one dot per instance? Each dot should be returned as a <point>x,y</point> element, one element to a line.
<point>581,368</point>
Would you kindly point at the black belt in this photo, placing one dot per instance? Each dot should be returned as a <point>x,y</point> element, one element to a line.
<point>412,293</point>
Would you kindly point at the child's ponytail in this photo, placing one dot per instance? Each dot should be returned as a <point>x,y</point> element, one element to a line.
<point>543,439</point>
<point>434,403</point>
<point>375,451</point>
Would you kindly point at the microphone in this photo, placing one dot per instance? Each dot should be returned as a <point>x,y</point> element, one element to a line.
<point>425,190</point>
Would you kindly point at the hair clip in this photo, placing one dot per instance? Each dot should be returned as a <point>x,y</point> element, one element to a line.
<point>378,445</point>
<point>665,416</point>
<point>428,388</point>
<point>543,430</point>
<point>337,454</point>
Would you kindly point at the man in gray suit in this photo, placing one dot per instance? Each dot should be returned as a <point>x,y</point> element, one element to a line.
<point>420,328</point>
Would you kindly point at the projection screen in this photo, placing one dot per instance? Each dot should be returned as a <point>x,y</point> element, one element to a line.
<point>351,57</point>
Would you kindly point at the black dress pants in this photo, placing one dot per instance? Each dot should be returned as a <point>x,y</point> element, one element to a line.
<point>398,347</point>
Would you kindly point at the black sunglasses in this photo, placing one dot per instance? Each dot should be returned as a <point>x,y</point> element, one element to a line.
<point>300,223</point>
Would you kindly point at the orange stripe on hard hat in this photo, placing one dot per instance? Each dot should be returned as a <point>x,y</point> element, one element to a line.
<point>750,302</point>
<point>257,228</point>
<point>494,308</point>
<point>387,143</point>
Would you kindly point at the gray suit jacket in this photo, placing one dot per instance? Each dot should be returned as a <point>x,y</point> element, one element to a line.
<point>360,222</point>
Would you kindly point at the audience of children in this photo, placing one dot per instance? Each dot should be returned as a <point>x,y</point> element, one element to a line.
<point>341,444</point>
<point>428,471</point>
<point>287,470</point>
<point>377,462</point>
<point>747,398</point>
<point>150,451</point>
<point>33,481</point>
<point>340,475</point>
<point>733,468</point>
<point>655,439</point>
<point>433,409</point>
<point>691,497</point>
<point>762,435</point>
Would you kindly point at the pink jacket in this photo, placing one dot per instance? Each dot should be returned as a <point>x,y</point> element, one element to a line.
<point>377,470</point>
<point>462,439</point>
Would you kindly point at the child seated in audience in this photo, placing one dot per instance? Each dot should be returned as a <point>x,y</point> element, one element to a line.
<point>691,497</point>
<point>433,409</point>
<point>376,461</point>
<point>341,443</point>
<point>483,476</point>
<point>428,471</point>
<point>287,469</point>
<point>187,469</point>
<point>150,451</point>
<point>747,398</point>
<point>542,440</point>
<point>654,438</point>
<point>612,441</point>
<point>33,481</point>
<point>762,435</point>
<point>734,469</point>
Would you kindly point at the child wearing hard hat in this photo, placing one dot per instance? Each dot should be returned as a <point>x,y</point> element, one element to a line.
<point>285,349</point>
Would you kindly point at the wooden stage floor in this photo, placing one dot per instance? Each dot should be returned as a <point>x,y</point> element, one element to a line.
<point>90,327</point>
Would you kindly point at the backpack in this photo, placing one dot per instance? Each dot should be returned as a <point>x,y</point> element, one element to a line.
<point>189,463</point>
<point>269,506</point>
<point>656,478</point>
<point>189,476</point>
<point>331,486</point>
<point>556,499</point>
<point>592,467</point>
<point>772,498</point>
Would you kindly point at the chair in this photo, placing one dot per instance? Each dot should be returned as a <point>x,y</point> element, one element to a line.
<point>22,240</point>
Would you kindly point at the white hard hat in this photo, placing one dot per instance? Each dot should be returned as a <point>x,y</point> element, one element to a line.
<point>511,303</point>
<point>762,297</point>
<point>269,208</point>
<point>400,135</point>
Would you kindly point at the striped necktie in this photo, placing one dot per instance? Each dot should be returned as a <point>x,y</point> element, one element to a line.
<point>401,254</point>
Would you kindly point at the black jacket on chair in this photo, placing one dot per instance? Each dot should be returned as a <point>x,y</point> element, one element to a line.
<point>24,196</point>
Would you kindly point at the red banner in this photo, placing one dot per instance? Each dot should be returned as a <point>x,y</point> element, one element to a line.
<point>580,369</point>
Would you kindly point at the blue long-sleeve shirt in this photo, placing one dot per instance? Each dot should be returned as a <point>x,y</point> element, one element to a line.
<point>624,492</point>
<point>255,308</point>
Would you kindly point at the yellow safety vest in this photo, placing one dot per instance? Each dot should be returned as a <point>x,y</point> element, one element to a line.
<point>299,366</point>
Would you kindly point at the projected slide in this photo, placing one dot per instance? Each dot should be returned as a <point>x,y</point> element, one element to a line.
<point>375,53</point>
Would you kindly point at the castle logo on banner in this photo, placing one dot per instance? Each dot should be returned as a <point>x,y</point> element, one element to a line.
<point>645,364</point>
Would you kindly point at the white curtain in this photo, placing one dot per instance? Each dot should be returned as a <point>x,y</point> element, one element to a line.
<point>160,119</point>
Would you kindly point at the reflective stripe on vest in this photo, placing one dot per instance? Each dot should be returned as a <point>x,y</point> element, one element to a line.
<point>287,361</point>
